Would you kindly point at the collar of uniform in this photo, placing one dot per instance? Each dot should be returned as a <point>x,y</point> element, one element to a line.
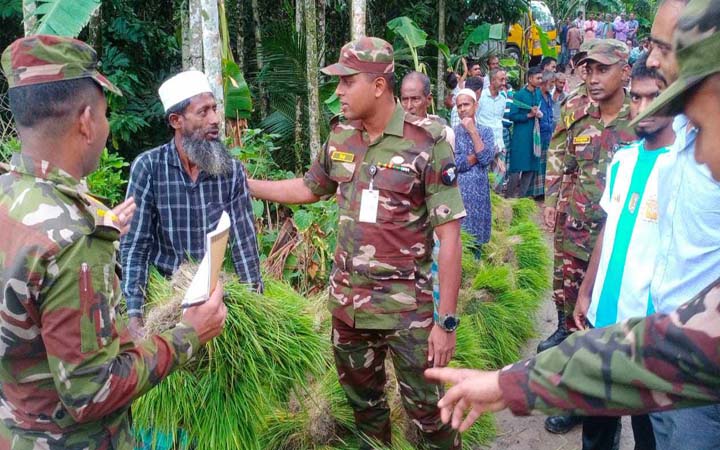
<point>39,168</point>
<point>594,110</point>
<point>397,121</point>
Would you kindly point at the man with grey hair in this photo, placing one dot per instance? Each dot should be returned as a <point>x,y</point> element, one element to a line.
<point>416,98</point>
<point>181,189</point>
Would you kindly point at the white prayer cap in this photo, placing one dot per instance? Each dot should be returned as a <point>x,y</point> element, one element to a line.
<point>469,92</point>
<point>182,87</point>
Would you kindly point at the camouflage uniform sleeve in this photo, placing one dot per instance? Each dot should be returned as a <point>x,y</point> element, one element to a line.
<point>663,361</point>
<point>555,157</point>
<point>317,179</point>
<point>442,195</point>
<point>96,369</point>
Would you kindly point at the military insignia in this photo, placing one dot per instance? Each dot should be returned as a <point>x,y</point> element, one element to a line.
<point>581,140</point>
<point>632,205</point>
<point>449,175</point>
<point>337,155</point>
<point>397,159</point>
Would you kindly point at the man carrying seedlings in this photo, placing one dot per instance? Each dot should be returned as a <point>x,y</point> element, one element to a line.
<point>395,182</point>
<point>181,189</point>
<point>70,372</point>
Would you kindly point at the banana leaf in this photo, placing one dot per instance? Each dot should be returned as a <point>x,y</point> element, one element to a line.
<point>62,17</point>
<point>238,101</point>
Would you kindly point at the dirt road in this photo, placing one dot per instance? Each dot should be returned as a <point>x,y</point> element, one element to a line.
<point>528,433</point>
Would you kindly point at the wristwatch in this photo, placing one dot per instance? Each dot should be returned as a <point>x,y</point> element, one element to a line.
<point>448,322</point>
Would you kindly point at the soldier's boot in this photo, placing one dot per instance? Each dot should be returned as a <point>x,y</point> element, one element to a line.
<point>561,424</point>
<point>558,336</point>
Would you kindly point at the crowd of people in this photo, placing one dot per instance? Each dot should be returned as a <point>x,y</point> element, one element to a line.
<point>625,162</point>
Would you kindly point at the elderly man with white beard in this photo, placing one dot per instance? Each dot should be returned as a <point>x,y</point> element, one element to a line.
<point>181,189</point>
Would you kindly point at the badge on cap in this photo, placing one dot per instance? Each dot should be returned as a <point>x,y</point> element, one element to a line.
<point>449,176</point>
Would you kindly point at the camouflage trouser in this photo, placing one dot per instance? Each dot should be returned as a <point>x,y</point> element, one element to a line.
<point>360,361</point>
<point>568,274</point>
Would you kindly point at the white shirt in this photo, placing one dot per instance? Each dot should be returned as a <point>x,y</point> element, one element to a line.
<point>630,240</point>
<point>490,114</point>
<point>688,257</point>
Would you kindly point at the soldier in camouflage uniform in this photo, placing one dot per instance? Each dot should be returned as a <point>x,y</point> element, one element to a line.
<point>577,159</point>
<point>69,371</point>
<point>663,362</point>
<point>395,182</point>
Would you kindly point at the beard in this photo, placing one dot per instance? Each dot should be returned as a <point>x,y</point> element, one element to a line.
<point>209,155</point>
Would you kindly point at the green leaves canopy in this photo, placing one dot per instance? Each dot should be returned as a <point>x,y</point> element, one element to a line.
<point>64,18</point>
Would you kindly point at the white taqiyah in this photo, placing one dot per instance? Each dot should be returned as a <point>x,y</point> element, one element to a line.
<point>469,92</point>
<point>182,87</point>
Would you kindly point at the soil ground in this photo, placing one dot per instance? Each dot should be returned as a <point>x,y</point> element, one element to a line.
<point>528,433</point>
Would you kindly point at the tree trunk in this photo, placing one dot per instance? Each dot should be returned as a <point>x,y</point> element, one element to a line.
<point>312,78</point>
<point>357,19</point>
<point>212,55</point>
<point>95,31</point>
<point>441,58</point>
<point>185,33</point>
<point>240,38</point>
<point>196,42</point>
<point>321,32</point>
<point>298,99</point>
<point>258,48</point>
<point>29,18</point>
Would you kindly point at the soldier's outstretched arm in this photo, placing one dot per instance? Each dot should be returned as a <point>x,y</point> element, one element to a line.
<point>661,362</point>
<point>292,192</point>
<point>96,368</point>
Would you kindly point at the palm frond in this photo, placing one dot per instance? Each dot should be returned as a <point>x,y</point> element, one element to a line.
<point>64,18</point>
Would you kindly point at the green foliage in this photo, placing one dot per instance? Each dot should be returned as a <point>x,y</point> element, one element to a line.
<point>238,102</point>
<point>10,8</point>
<point>268,348</point>
<point>8,147</point>
<point>481,34</point>
<point>108,180</point>
<point>63,18</point>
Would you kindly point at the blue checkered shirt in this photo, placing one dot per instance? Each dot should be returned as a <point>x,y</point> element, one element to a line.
<point>173,216</point>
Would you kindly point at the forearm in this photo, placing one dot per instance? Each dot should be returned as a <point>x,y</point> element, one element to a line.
<point>638,366</point>
<point>449,266</point>
<point>293,192</point>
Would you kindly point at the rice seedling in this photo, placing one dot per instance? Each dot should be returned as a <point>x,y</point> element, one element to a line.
<point>268,349</point>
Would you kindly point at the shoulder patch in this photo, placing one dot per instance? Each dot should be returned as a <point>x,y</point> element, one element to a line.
<point>449,175</point>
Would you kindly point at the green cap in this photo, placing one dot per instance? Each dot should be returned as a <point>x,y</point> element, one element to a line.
<point>45,59</point>
<point>364,55</point>
<point>605,51</point>
<point>582,51</point>
<point>697,49</point>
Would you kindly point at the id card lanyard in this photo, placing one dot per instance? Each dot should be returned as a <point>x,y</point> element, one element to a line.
<point>370,199</point>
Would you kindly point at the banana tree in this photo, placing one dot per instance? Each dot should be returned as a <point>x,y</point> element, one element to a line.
<point>61,17</point>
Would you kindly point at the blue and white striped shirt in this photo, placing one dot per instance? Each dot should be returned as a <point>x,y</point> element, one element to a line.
<point>173,216</point>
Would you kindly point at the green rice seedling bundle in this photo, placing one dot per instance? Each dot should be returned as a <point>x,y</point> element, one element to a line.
<point>221,399</point>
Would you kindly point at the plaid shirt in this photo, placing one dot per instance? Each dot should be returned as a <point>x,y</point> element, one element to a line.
<point>173,216</point>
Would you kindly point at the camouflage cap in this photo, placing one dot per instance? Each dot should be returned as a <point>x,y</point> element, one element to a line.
<point>583,50</point>
<point>364,55</point>
<point>44,59</point>
<point>697,49</point>
<point>605,51</point>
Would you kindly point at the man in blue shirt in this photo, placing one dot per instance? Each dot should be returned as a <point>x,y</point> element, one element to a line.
<point>688,253</point>
<point>181,189</point>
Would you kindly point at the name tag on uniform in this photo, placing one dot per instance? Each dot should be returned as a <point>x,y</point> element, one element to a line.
<point>581,140</point>
<point>342,156</point>
<point>369,205</point>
